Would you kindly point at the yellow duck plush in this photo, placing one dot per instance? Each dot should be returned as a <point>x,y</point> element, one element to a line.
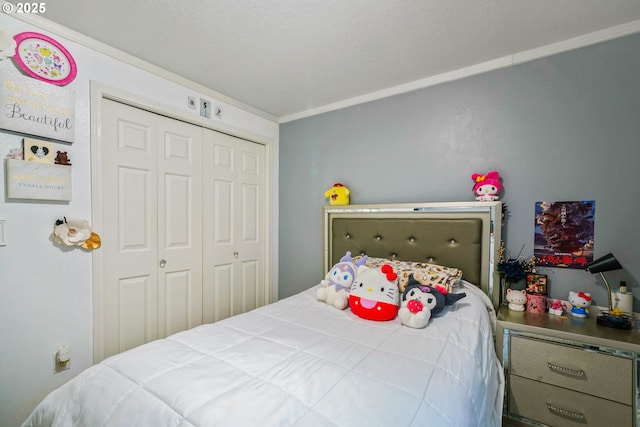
<point>338,194</point>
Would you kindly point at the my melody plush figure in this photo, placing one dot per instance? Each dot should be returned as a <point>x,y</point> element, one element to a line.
<point>487,187</point>
<point>338,194</point>
<point>580,302</point>
<point>337,283</point>
<point>420,302</point>
<point>374,293</point>
<point>516,299</point>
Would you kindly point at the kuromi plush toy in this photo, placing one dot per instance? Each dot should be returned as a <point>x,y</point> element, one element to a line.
<point>417,303</point>
<point>487,187</point>
<point>336,285</point>
<point>421,302</point>
<point>374,293</point>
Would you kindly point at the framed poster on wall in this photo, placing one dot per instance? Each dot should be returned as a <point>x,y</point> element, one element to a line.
<point>564,233</point>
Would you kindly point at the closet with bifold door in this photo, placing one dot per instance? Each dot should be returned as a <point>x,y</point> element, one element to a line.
<point>184,226</point>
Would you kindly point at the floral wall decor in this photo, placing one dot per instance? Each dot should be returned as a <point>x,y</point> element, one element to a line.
<point>75,232</point>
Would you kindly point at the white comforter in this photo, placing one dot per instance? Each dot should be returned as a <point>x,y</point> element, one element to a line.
<point>298,362</point>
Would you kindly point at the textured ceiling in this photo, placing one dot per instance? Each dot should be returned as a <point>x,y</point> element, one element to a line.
<point>285,57</point>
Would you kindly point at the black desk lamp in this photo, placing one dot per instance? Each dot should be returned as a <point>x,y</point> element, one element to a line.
<point>608,318</point>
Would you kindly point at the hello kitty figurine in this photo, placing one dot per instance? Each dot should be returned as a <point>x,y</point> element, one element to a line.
<point>580,302</point>
<point>486,187</point>
<point>517,299</point>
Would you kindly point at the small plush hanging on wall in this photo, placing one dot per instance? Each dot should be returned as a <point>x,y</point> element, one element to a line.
<point>75,232</point>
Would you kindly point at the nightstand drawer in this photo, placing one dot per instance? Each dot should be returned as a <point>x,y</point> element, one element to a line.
<point>560,407</point>
<point>591,372</point>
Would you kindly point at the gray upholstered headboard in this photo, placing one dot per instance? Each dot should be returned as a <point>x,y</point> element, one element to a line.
<point>462,235</point>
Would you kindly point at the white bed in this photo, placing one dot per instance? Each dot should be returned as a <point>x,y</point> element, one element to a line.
<point>300,362</point>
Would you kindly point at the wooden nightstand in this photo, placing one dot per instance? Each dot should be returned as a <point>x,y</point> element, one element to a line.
<point>564,371</point>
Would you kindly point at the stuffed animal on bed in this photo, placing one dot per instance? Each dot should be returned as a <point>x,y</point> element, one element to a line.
<point>374,293</point>
<point>337,283</point>
<point>421,302</point>
<point>417,303</point>
<point>487,187</point>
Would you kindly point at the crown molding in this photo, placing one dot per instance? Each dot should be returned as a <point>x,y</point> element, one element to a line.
<point>134,61</point>
<point>506,61</point>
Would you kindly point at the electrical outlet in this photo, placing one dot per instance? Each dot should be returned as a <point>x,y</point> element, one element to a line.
<point>60,366</point>
<point>205,108</point>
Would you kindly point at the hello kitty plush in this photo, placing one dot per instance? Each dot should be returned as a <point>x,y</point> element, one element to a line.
<point>487,187</point>
<point>337,283</point>
<point>374,293</point>
<point>517,299</point>
<point>580,302</point>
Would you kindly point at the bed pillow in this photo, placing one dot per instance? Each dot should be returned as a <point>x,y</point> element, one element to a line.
<point>434,275</point>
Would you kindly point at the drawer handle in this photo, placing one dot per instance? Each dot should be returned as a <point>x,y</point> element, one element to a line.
<point>568,371</point>
<point>565,412</point>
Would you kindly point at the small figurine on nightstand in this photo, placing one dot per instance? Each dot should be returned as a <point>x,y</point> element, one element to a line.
<point>556,307</point>
<point>517,299</point>
<point>580,302</point>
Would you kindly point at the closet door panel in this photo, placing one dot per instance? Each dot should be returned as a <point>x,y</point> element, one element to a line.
<point>129,238</point>
<point>251,199</point>
<point>233,218</point>
<point>135,313</point>
<point>179,226</point>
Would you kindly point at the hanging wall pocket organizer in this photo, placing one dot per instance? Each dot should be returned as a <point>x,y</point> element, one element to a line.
<point>37,181</point>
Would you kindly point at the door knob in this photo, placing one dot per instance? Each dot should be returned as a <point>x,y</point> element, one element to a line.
<point>235,255</point>
<point>163,262</point>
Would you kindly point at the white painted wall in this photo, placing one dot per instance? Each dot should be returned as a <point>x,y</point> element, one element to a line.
<point>46,293</point>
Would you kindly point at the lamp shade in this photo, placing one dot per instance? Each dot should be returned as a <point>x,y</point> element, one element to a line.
<point>604,263</point>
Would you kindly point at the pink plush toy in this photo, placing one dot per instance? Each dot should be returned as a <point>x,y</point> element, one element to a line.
<point>487,187</point>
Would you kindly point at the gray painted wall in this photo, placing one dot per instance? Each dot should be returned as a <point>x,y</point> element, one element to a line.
<point>562,128</point>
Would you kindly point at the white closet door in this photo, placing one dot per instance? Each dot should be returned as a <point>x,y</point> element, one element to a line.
<point>234,226</point>
<point>152,259</point>
<point>179,226</point>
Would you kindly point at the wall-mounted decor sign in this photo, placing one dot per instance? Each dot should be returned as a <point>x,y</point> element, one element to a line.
<point>35,108</point>
<point>37,181</point>
<point>44,58</point>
